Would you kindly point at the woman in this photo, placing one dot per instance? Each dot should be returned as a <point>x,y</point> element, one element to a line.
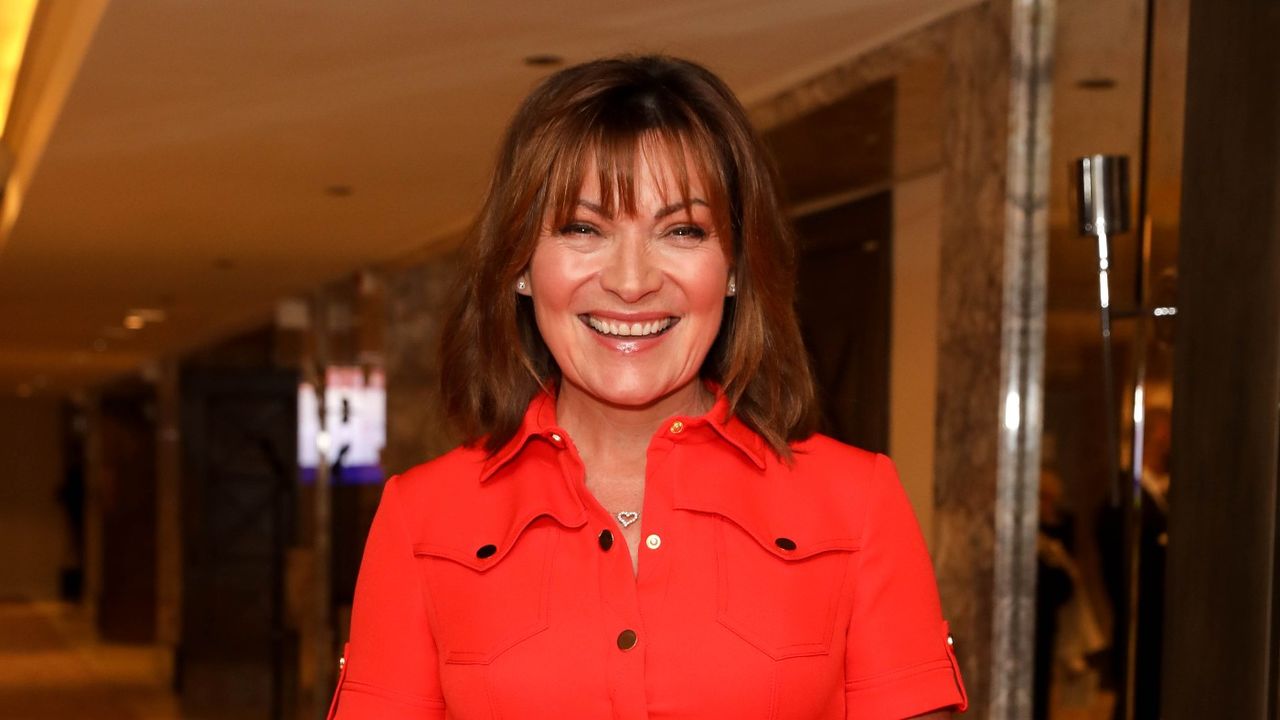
<point>643,524</point>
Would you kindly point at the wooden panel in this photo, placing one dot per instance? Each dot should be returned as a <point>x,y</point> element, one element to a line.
<point>1220,639</point>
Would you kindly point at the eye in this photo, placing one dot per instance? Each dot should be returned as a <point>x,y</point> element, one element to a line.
<point>578,228</point>
<point>692,232</point>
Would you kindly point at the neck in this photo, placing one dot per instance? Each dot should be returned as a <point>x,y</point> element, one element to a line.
<point>603,431</point>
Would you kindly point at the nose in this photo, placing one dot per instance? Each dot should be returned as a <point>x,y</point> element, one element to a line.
<point>630,270</point>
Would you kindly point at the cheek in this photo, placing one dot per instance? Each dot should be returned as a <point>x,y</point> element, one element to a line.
<point>554,277</point>
<point>705,286</point>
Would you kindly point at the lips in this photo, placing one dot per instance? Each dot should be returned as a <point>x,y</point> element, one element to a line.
<point>612,327</point>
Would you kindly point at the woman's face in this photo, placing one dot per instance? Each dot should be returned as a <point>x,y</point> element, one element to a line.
<point>630,305</point>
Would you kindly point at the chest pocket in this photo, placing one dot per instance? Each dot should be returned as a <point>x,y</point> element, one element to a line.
<point>780,594</point>
<point>492,595</point>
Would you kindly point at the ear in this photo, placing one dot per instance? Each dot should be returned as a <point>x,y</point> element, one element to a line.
<point>523,287</point>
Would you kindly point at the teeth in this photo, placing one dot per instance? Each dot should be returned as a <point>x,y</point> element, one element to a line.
<point>621,329</point>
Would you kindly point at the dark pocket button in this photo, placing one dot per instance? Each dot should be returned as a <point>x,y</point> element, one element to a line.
<point>627,639</point>
<point>785,543</point>
<point>606,540</point>
<point>486,551</point>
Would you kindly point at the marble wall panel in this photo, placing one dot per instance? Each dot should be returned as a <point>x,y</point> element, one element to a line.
<point>417,298</point>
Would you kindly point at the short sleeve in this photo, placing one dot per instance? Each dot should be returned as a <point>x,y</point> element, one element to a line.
<point>389,669</point>
<point>898,661</point>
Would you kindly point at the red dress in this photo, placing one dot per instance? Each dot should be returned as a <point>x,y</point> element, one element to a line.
<point>499,588</point>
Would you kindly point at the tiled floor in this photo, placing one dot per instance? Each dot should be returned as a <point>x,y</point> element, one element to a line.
<point>51,667</point>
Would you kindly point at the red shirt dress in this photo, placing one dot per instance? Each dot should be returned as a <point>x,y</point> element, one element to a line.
<point>498,587</point>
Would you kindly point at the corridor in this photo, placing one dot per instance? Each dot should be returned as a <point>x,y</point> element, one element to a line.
<point>51,667</point>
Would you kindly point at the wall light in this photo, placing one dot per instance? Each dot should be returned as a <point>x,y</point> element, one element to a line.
<point>15,26</point>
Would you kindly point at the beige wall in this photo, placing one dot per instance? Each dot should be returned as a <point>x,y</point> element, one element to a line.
<point>917,248</point>
<point>913,353</point>
<point>33,531</point>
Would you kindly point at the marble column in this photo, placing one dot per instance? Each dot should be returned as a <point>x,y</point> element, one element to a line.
<point>991,342</point>
<point>417,298</point>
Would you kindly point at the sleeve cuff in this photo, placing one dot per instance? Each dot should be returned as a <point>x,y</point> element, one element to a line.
<point>922,688</point>
<point>354,700</point>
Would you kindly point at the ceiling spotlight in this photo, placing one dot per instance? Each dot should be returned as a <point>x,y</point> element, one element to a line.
<point>543,60</point>
<point>1096,83</point>
<point>150,315</point>
<point>134,322</point>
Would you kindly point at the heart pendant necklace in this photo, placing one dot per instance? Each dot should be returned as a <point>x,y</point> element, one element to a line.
<point>627,517</point>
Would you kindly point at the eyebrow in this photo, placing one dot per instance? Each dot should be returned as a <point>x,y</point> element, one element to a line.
<point>662,211</point>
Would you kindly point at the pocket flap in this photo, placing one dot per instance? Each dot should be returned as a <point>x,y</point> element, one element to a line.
<point>482,548</point>
<point>791,522</point>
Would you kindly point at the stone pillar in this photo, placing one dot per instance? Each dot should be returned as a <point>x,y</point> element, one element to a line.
<point>991,342</point>
<point>417,297</point>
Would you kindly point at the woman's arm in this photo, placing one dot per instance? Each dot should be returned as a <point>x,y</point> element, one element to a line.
<point>898,659</point>
<point>390,666</point>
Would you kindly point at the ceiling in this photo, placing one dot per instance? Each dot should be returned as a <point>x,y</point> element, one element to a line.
<point>193,166</point>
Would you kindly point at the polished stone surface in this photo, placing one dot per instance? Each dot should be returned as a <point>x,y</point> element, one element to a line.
<point>417,298</point>
<point>51,667</point>
<point>975,103</point>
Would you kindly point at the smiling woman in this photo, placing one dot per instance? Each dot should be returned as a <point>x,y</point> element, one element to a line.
<point>626,363</point>
<point>630,302</point>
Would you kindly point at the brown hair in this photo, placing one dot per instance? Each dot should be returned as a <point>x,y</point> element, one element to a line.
<point>493,358</point>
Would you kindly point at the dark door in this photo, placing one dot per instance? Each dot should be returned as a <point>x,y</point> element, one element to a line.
<point>239,443</point>
<point>127,492</point>
<point>844,297</point>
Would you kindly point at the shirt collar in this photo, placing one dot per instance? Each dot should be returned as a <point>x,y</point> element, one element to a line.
<point>540,422</point>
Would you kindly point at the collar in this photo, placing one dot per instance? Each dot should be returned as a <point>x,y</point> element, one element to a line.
<point>540,423</point>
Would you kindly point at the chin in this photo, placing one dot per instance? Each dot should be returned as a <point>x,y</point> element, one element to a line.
<point>635,397</point>
<point>628,394</point>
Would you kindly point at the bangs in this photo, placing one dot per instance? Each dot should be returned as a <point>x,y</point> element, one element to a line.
<point>615,151</point>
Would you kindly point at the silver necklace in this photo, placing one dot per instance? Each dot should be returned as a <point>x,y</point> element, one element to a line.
<point>627,517</point>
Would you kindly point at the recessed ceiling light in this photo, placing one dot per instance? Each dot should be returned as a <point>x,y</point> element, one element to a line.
<point>1096,83</point>
<point>338,191</point>
<point>150,315</point>
<point>134,322</point>
<point>543,60</point>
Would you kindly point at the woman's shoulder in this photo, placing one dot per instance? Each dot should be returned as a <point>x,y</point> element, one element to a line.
<point>447,474</point>
<point>825,456</point>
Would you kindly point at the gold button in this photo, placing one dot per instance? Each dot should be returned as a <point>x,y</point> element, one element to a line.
<point>556,437</point>
<point>653,541</point>
<point>627,639</point>
<point>677,427</point>
<point>951,640</point>
<point>342,663</point>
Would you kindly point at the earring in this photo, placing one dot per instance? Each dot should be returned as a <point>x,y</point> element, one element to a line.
<point>733,286</point>
<point>520,284</point>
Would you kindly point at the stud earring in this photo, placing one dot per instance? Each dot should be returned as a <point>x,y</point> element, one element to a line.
<point>521,284</point>
<point>733,286</point>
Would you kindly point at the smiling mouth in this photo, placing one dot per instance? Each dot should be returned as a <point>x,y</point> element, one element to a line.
<point>617,328</point>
